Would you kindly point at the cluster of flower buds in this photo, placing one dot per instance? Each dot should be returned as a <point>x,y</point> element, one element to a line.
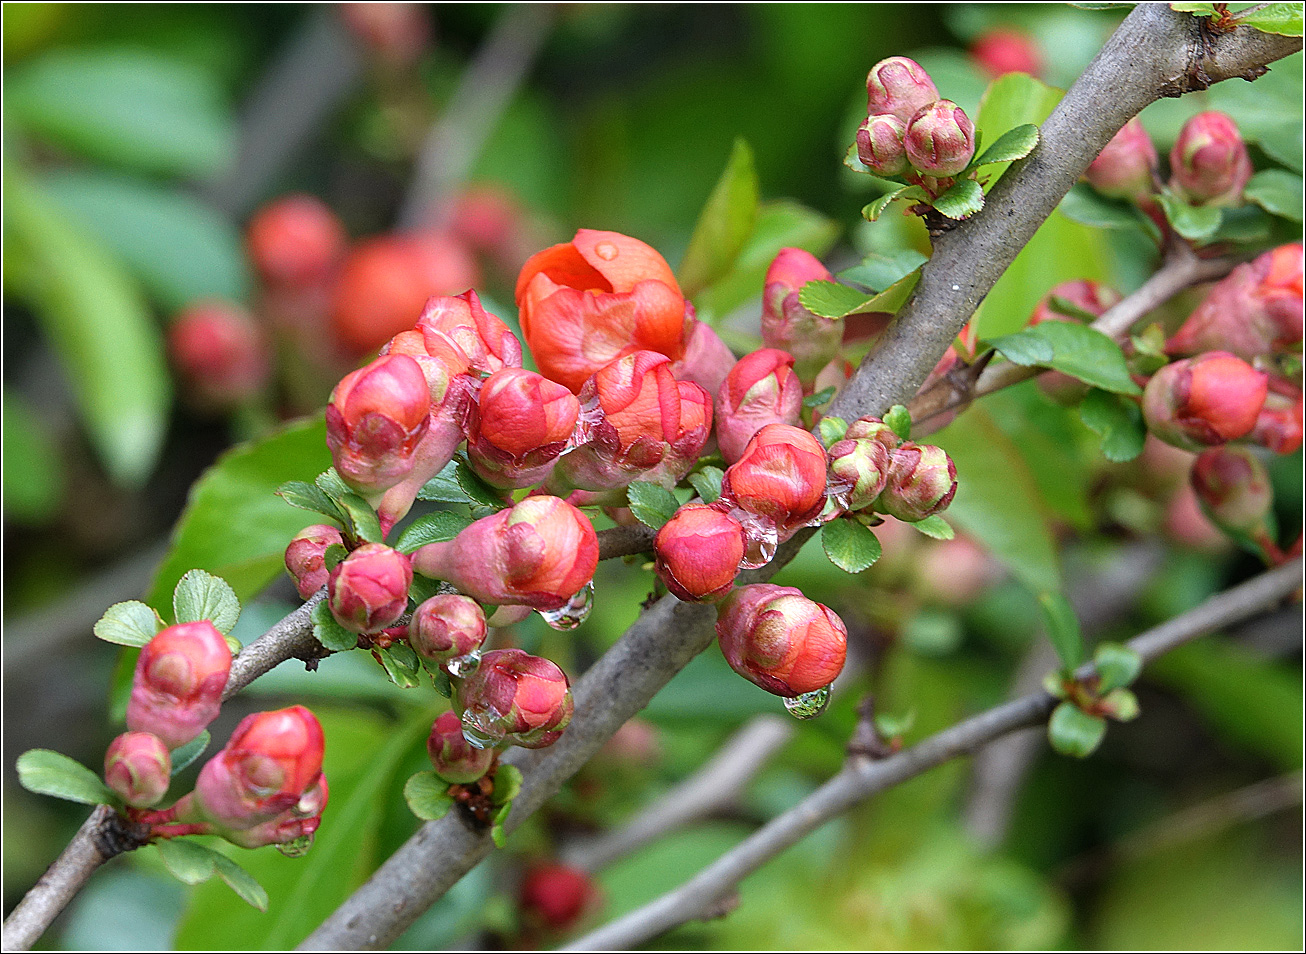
<point>909,131</point>
<point>872,468</point>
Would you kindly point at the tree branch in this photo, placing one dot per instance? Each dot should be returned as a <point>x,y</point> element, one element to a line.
<point>861,778</point>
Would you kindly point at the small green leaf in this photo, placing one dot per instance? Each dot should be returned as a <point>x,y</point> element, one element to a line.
<point>1062,628</point>
<point>332,484</point>
<point>832,300</point>
<point>1277,191</point>
<point>1121,705</point>
<point>478,491</point>
<point>400,674</point>
<point>497,831</point>
<point>1054,684</point>
<point>443,684</point>
<point>404,655</point>
<point>936,527</point>
<point>187,860</point>
<point>444,486</point>
<point>908,193</point>
<point>820,397</point>
<point>890,726</point>
<point>899,420</point>
<point>1203,9</point>
<point>1085,205</point>
<point>707,483</point>
<point>333,555</point>
<point>724,225</point>
<point>652,504</point>
<point>241,881</point>
<point>201,595</point>
<point>428,796</point>
<point>1074,732</point>
<point>962,201</point>
<point>361,521</point>
<point>1194,223</point>
<point>1118,421</point>
<point>831,430</point>
<point>1011,145</point>
<point>1116,665</point>
<point>130,623</point>
<point>51,773</point>
<point>1064,306</point>
<point>507,783</point>
<point>1077,350</point>
<point>437,527</point>
<point>1284,19</point>
<point>851,546</point>
<point>879,270</point>
<point>310,497</point>
<point>1247,224</point>
<point>328,632</point>
<point>185,755</point>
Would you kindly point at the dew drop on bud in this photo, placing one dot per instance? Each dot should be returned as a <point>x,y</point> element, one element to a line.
<point>810,704</point>
<point>606,251</point>
<point>573,612</point>
<point>480,728</point>
<point>760,538</point>
<point>297,848</point>
<point>460,667</point>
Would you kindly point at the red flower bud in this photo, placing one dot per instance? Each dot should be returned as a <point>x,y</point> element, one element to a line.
<point>446,627</point>
<point>872,429</point>
<point>706,361</point>
<point>296,825</point>
<point>271,762</point>
<point>516,698</point>
<point>1209,164</point>
<point>456,760</point>
<point>812,340</point>
<point>1203,401</point>
<point>539,553</point>
<point>395,32</point>
<point>760,389</point>
<point>880,144</point>
<point>461,320</point>
<point>1279,425</point>
<point>295,241</point>
<point>221,354</point>
<point>780,640</point>
<point>780,478</point>
<point>368,590</point>
<point>698,553</point>
<point>555,896</point>
<point>377,417</point>
<point>1234,489</point>
<point>597,298</point>
<point>305,557</point>
<point>1001,51</point>
<point>940,139</point>
<point>177,687</point>
<point>520,425</point>
<point>859,470</point>
<point>898,86</point>
<point>1125,167</point>
<point>922,481</point>
<point>137,767</point>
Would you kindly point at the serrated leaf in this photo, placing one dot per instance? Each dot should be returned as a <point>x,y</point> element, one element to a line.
<point>829,303</point>
<point>727,219</point>
<point>1011,101</point>
<point>1118,421</point>
<point>1194,223</point>
<point>437,527</point>
<point>899,420</point>
<point>1283,19</point>
<point>241,881</point>
<point>879,270</point>
<point>444,486</point>
<point>1074,732</point>
<point>428,796</point>
<point>935,527</point>
<point>1077,350</point>
<point>130,623</point>
<point>332,484</point>
<point>962,201</point>
<point>1117,666</point>
<point>328,631</point>
<point>831,430</point>
<point>1083,204</point>
<point>851,546</point>
<point>1013,144</point>
<point>361,521</point>
<point>400,673</point>
<point>1278,192</point>
<point>1062,628</point>
<point>310,497</point>
<point>507,783</point>
<point>652,504</point>
<point>46,772</point>
<point>707,483</point>
<point>187,860</point>
<point>478,491</point>
<point>820,397</point>
<point>333,556</point>
<point>185,755</point>
<point>201,595</point>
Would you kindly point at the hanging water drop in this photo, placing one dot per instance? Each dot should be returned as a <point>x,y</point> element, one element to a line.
<point>460,667</point>
<point>809,704</point>
<point>573,612</point>
<point>481,727</point>
<point>761,537</point>
<point>297,848</point>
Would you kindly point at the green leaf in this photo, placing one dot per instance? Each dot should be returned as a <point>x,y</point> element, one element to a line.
<point>52,773</point>
<point>1118,421</point>
<point>497,830</point>
<point>1245,224</point>
<point>428,796</point>
<point>478,491</point>
<point>128,108</point>
<point>444,486</point>
<point>851,546</point>
<point>187,860</point>
<point>1116,665</point>
<point>1062,628</point>
<point>200,595</point>
<point>397,668</point>
<point>98,326</point>
<point>724,225</point>
<point>1192,222</point>
<point>310,497</point>
<point>1284,19</point>
<point>333,556</point>
<point>908,193</point>
<point>936,527</point>
<point>652,504</point>
<point>507,784</point>
<point>1205,9</point>
<point>899,420</point>
<point>130,623</point>
<point>1011,145</point>
<point>1073,349</point>
<point>436,527</point>
<point>1278,192</point>
<point>1011,101</point>
<point>361,521</point>
<point>1121,705</point>
<point>183,756</point>
<point>234,525</point>
<point>1085,205</point>
<point>961,201</point>
<point>181,249</point>
<point>707,483</point>
<point>241,881</point>
<point>832,300</point>
<point>879,270</point>
<point>328,631</point>
<point>822,396</point>
<point>1074,732</point>
<point>831,430</point>
<point>34,474</point>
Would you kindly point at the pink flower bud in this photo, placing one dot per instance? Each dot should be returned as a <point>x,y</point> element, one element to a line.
<point>812,340</point>
<point>456,760</point>
<point>295,241</point>
<point>539,553</point>
<point>760,389</point>
<point>368,589</point>
<point>556,896</point>
<point>447,626</point>
<point>1255,310</point>
<point>515,697</point>
<point>1203,401</point>
<point>520,424</point>
<point>940,139</point>
<point>707,360</point>
<point>1092,297</point>
<point>780,640</point>
<point>1209,164</point>
<point>1126,166</point>
<point>880,144</point>
<point>487,342</point>
<point>688,440</point>
<point>1279,425</point>
<point>872,429</point>
<point>397,33</point>
<point>177,687</point>
<point>922,481</point>
<point>305,557</point>
<point>1001,51</point>
<point>137,767</point>
<point>271,762</point>
<point>781,477</point>
<point>698,552</point>
<point>859,469</point>
<point>296,824</point>
<point>898,86</point>
<point>1234,489</point>
<point>220,353</point>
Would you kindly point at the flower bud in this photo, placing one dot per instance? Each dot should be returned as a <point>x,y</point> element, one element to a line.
<point>812,340</point>
<point>1203,401</point>
<point>859,469</point>
<point>1234,489</point>
<point>689,438</point>
<point>539,553</point>
<point>555,896</point>
<point>780,640</point>
<point>1001,51</point>
<point>872,429</point>
<point>1279,425</point>
<point>940,139</point>
<point>1092,297</point>
<point>698,552</point>
<point>295,241</point>
<point>296,824</point>
<point>597,298</point>
<point>781,478</point>
<point>492,221</point>
<point>1126,166</point>
<point>456,760</point>
<point>922,481</point>
<point>760,389</point>
<point>220,353</point>
<point>880,145</point>
<point>396,33</point>
<point>138,768</point>
<point>514,697</point>
<point>305,557</point>
<point>900,87</point>
<point>272,761</point>
<point>368,589</point>
<point>488,343</point>
<point>446,627</point>
<point>520,424</point>
<point>1209,164</point>
<point>707,359</point>
<point>177,687</point>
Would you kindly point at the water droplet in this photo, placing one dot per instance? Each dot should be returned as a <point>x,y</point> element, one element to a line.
<point>480,733</point>
<point>297,848</point>
<point>760,538</point>
<point>606,251</point>
<point>460,667</point>
<point>809,704</point>
<point>574,612</point>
